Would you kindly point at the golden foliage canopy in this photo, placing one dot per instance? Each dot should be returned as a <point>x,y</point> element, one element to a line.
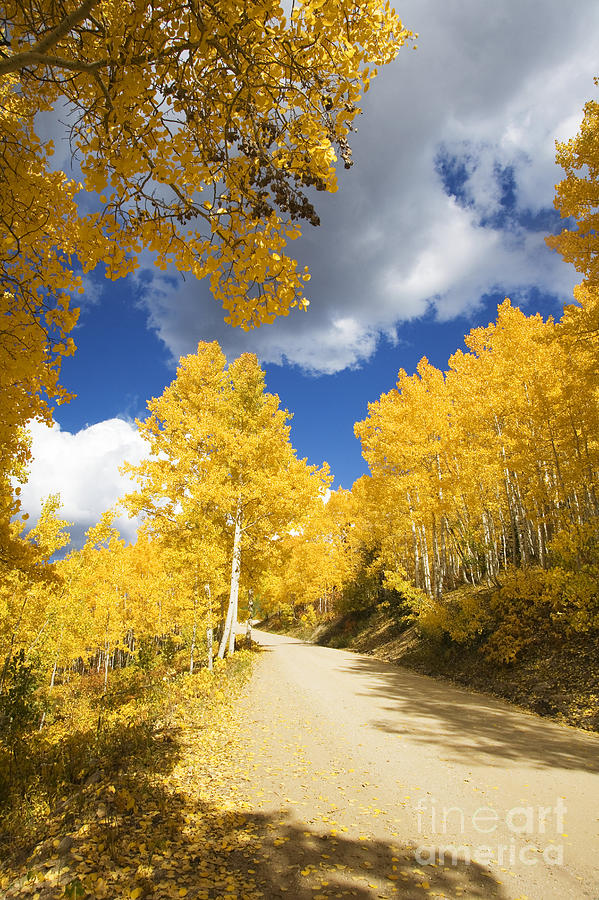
<point>202,127</point>
<point>577,195</point>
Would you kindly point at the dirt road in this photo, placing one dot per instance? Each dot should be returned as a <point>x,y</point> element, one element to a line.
<point>372,781</point>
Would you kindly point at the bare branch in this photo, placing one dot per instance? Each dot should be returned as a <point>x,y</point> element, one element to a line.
<point>37,54</point>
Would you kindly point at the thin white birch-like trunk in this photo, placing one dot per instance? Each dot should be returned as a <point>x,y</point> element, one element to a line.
<point>437,577</point>
<point>106,664</point>
<point>231,620</point>
<point>415,542</point>
<point>209,637</point>
<point>233,629</point>
<point>52,680</point>
<point>424,553</point>
<point>193,643</point>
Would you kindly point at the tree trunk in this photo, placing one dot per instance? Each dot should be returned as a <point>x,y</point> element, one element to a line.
<point>193,646</point>
<point>234,604</point>
<point>52,680</point>
<point>425,561</point>
<point>209,632</point>
<point>231,620</point>
<point>106,664</point>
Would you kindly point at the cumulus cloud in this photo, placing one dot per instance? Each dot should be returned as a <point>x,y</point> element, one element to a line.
<point>84,469</point>
<point>451,195</point>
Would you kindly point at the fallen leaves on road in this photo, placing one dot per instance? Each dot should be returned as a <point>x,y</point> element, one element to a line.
<point>226,808</point>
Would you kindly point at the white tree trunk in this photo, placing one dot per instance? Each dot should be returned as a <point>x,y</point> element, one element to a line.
<point>231,621</point>
<point>209,634</point>
<point>424,553</point>
<point>52,680</point>
<point>192,648</point>
<point>234,604</point>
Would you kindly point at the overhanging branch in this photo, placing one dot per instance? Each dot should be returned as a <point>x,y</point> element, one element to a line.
<point>38,53</point>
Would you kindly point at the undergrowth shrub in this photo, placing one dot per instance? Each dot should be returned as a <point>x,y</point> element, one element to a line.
<point>20,701</point>
<point>309,617</point>
<point>89,733</point>
<point>530,604</point>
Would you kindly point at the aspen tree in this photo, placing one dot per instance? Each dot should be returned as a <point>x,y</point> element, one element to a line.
<point>222,463</point>
<point>28,593</point>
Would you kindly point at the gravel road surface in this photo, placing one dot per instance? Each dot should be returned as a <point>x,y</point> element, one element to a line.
<point>369,780</point>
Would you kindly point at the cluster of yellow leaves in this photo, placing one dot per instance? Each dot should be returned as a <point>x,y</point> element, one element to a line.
<point>31,592</point>
<point>39,232</point>
<point>577,196</point>
<point>200,128</point>
<point>310,565</point>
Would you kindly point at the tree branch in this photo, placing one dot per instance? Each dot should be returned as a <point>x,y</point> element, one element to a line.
<point>38,51</point>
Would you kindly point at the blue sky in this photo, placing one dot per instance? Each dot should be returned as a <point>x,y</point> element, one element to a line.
<point>443,215</point>
<point>121,363</point>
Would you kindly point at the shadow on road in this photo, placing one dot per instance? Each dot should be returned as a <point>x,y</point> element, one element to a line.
<point>167,847</point>
<point>296,861</point>
<point>471,725</point>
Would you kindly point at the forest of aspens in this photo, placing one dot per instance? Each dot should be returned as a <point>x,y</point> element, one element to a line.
<point>477,524</point>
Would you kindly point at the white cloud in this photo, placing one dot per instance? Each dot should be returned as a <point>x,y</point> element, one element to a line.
<point>490,88</point>
<point>446,258</point>
<point>84,469</point>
